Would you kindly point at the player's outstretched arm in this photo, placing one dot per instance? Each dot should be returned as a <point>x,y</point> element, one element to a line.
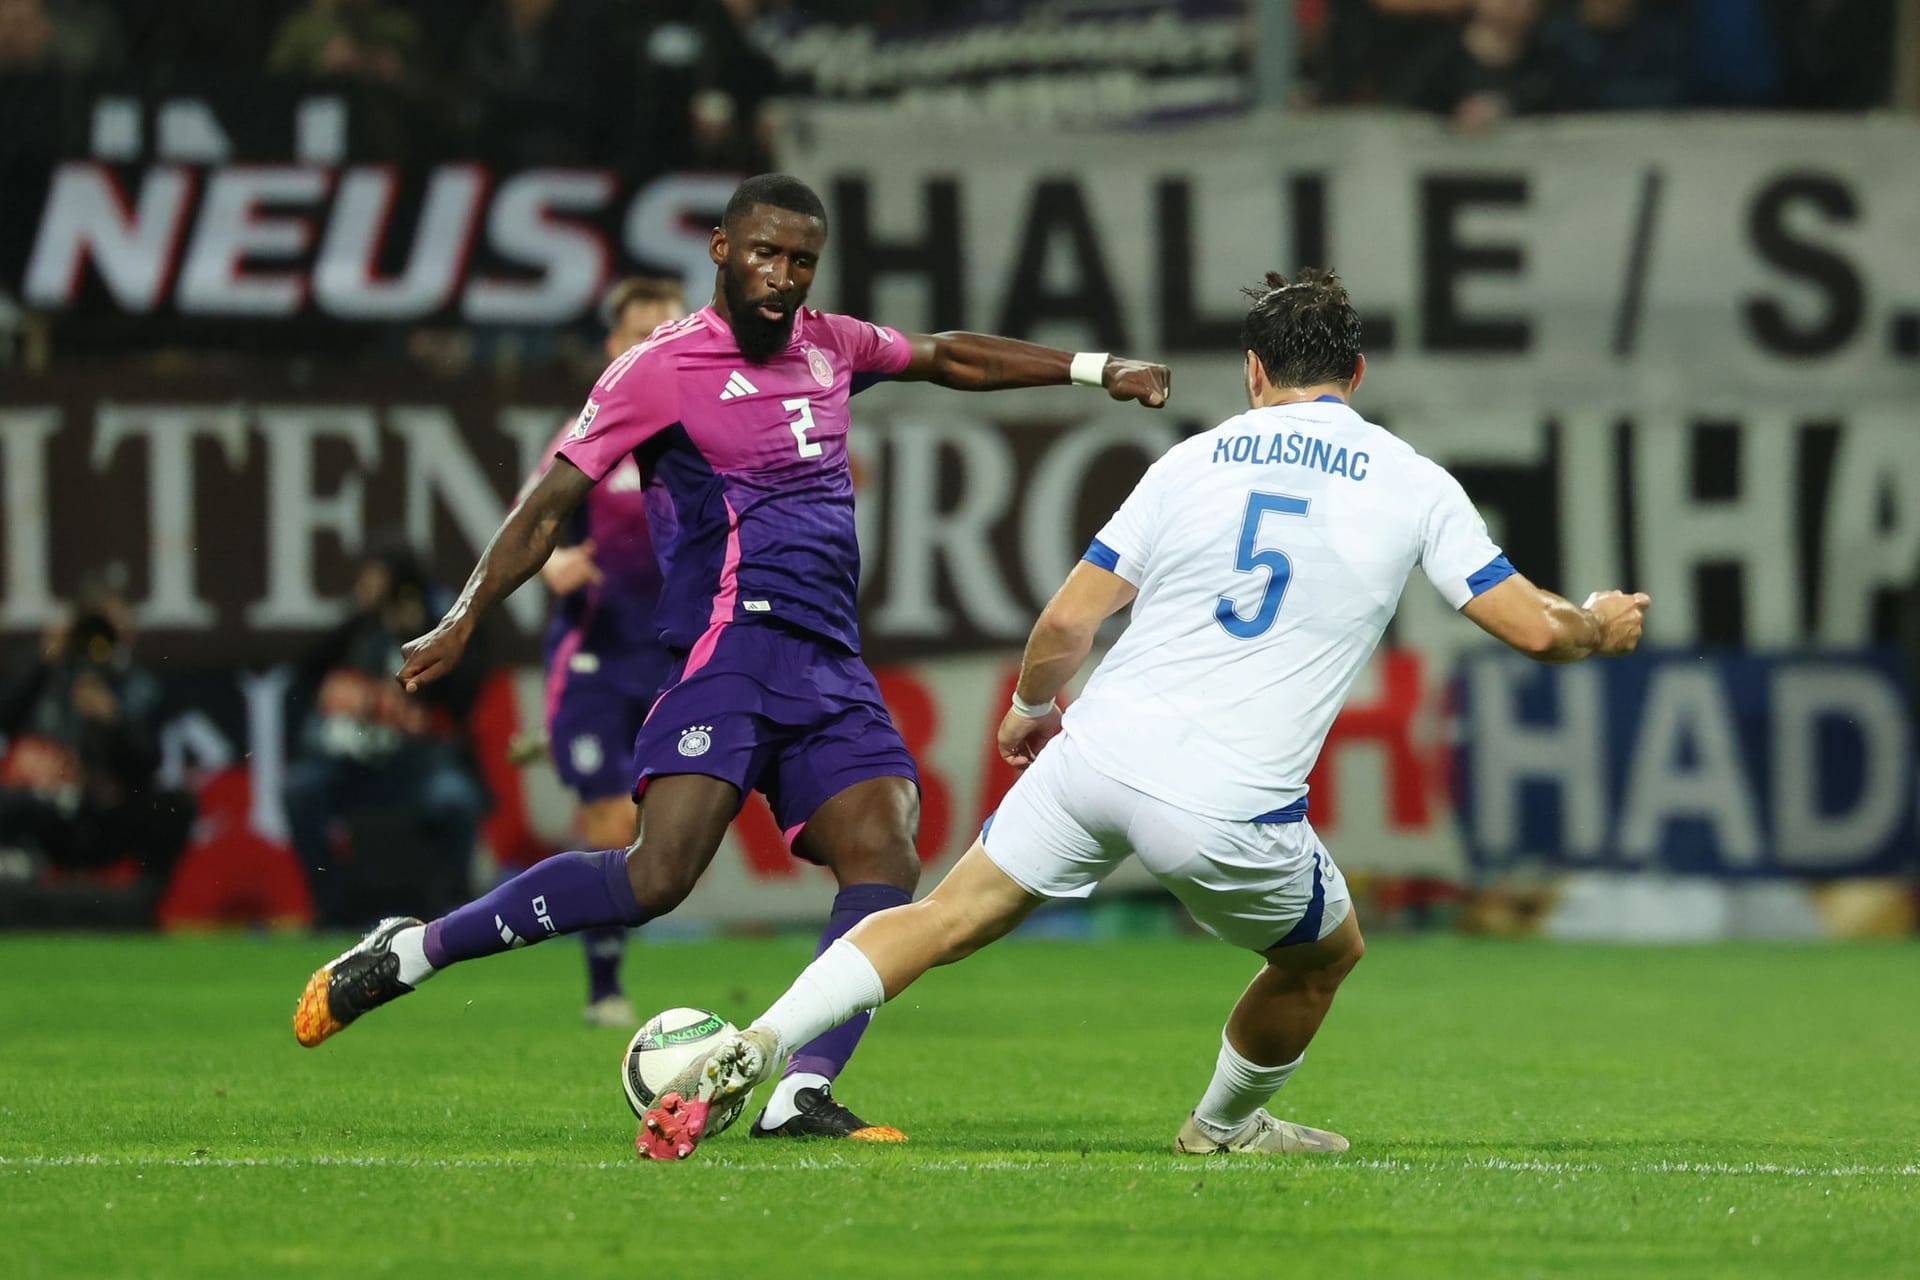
<point>515,553</point>
<point>1551,628</point>
<point>984,362</point>
<point>569,568</point>
<point>1060,643</point>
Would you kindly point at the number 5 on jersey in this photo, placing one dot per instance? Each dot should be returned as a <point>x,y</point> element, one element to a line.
<point>1250,557</point>
<point>801,425</point>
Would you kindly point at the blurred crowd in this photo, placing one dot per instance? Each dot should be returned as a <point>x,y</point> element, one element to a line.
<point>687,83</point>
<point>1479,61</point>
<point>79,719</point>
<point>382,794</point>
<point>515,81</point>
<point>80,760</point>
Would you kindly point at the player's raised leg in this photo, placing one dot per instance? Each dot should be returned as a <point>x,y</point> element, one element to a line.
<point>1265,1041</point>
<point>879,958</point>
<point>682,820</point>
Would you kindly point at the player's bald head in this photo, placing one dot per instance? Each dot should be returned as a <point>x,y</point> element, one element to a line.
<point>774,191</point>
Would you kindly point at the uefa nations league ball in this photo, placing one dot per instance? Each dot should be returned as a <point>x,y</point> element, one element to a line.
<point>665,1047</point>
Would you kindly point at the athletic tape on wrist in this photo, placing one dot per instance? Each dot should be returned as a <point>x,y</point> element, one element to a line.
<point>1031,710</point>
<point>1089,369</point>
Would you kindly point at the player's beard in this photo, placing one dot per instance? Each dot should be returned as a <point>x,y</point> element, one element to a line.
<point>759,338</point>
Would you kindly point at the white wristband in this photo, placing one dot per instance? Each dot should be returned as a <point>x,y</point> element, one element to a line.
<point>1032,710</point>
<point>1089,369</point>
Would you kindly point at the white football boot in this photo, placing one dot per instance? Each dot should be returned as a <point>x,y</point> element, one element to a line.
<point>723,1075</point>
<point>1264,1134</point>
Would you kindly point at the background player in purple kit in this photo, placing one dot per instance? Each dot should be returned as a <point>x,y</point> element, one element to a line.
<point>605,662</point>
<point>739,415</point>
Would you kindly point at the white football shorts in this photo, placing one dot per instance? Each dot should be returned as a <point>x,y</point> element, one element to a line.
<point>1065,825</point>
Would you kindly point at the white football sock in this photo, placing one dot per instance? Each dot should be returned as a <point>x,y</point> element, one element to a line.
<point>1238,1089</point>
<point>782,1106</point>
<point>841,983</point>
<point>411,946</point>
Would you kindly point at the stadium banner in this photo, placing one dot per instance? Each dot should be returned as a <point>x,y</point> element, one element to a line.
<point>233,508</point>
<point>1664,797</point>
<point>1728,765</point>
<point>1378,792</point>
<point>1613,260</point>
<point>275,215</point>
<point>1625,260</point>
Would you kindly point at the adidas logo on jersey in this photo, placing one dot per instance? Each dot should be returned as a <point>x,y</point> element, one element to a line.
<point>737,385</point>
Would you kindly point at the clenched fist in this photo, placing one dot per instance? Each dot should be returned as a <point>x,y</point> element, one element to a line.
<point>1126,379</point>
<point>1621,617</point>
<point>432,655</point>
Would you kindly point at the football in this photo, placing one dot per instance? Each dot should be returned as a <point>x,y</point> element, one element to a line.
<point>663,1048</point>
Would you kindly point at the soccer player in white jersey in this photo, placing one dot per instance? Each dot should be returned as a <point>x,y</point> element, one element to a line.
<point>1263,560</point>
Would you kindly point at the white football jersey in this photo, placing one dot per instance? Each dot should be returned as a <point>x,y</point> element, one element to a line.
<point>1269,554</point>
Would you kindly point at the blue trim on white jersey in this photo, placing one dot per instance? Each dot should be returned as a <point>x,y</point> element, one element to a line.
<point>1102,556</point>
<point>1308,927</point>
<point>1328,400</point>
<point>1295,812</point>
<point>987,826</point>
<point>1492,574</point>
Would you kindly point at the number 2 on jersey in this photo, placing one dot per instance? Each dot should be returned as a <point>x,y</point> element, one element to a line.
<point>1250,557</point>
<point>801,425</point>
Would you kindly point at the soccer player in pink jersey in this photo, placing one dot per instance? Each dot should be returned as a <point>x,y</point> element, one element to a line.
<point>604,659</point>
<point>737,416</point>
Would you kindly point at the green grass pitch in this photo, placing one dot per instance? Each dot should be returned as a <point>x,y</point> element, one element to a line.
<point>1515,1109</point>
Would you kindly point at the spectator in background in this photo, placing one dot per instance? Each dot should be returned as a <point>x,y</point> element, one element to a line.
<point>86,36</point>
<point>535,74</point>
<point>1373,44</point>
<point>74,37</point>
<point>77,781</point>
<point>358,39</point>
<point>700,83</point>
<point>368,747</point>
<point>26,36</point>
<point>1615,55</point>
<point>514,48</point>
<point>1491,70</point>
<point>732,125</point>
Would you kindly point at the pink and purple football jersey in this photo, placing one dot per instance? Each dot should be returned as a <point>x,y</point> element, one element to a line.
<point>604,660</point>
<point>617,612</point>
<point>613,616</point>
<point>752,508</point>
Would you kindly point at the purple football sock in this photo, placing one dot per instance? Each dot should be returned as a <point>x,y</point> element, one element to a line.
<point>827,1054</point>
<point>605,949</point>
<point>564,894</point>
